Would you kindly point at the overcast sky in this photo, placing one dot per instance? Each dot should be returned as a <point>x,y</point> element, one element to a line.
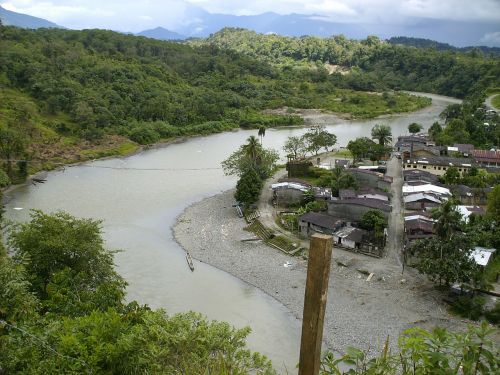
<point>128,15</point>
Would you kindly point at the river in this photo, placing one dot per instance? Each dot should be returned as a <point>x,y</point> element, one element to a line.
<point>139,197</point>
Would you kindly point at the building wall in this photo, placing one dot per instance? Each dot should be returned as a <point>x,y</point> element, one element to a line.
<point>421,205</point>
<point>286,197</point>
<point>438,170</point>
<point>374,196</point>
<point>307,229</point>
<point>352,212</point>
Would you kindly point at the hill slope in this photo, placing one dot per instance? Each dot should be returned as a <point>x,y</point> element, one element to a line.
<point>23,20</point>
<point>161,34</point>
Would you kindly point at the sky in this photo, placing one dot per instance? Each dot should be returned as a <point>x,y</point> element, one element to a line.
<point>133,15</point>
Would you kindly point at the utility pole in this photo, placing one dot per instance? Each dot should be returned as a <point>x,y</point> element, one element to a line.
<point>318,273</point>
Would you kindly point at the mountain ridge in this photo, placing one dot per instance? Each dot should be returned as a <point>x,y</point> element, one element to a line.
<point>10,18</point>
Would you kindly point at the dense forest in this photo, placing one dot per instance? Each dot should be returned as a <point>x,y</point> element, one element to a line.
<point>373,64</point>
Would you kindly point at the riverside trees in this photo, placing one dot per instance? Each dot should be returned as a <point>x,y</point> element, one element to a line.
<point>62,311</point>
<point>253,164</point>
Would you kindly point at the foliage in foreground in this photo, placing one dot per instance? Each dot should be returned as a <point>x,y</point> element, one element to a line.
<point>62,311</point>
<point>424,353</point>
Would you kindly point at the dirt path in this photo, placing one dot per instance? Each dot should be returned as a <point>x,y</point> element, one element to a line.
<point>396,228</point>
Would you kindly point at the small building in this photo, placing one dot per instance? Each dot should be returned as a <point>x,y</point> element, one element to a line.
<point>418,145</point>
<point>482,255</point>
<point>350,237</point>
<point>298,168</point>
<point>419,175</point>
<point>427,189</point>
<point>353,209</point>
<point>418,228</point>
<point>470,196</point>
<point>487,158</point>
<point>288,193</point>
<point>421,201</point>
<point>322,193</point>
<point>371,193</point>
<point>315,222</point>
<point>343,163</point>
<point>467,211</point>
<point>465,149</point>
<point>370,178</point>
<point>438,165</point>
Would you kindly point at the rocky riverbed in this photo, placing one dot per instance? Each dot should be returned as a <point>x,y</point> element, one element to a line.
<point>360,313</point>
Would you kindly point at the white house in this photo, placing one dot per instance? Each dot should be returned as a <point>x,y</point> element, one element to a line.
<point>426,188</point>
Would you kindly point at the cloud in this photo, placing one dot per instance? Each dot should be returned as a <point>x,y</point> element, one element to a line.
<point>133,15</point>
<point>491,39</point>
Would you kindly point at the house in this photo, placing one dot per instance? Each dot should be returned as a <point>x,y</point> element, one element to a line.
<point>347,194</point>
<point>420,201</point>
<point>369,192</point>
<point>419,175</point>
<point>353,209</point>
<point>322,193</point>
<point>418,228</point>
<point>344,163</point>
<point>438,191</point>
<point>482,255</point>
<point>438,165</point>
<point>289,192</point>
<point>418,145</point>
<point>315,222</point>
<point>487,158</point>
<point>467,211</point>
<point>298,168</point>
<point>350,237</point>
<point>470,196</point>
<point>465,149</point>
<point>370,178</point>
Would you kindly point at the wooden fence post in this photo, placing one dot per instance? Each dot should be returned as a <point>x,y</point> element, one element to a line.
<point>318,273</point>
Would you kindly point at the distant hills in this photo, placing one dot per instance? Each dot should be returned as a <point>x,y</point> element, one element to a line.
<point>23,20</point>
<point>428,43</point>
<point>201,24</point>
<point>161,33</point>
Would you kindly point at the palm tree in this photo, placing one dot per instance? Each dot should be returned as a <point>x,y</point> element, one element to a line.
<point>253,149</point>
<point>447,218</point>
<point>382,133</point>
<point>262,133</point>
<point>341,179</point>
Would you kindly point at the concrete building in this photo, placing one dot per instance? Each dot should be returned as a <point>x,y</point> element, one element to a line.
<point>315,222</point>
<point>438,165</point>
<point>487,158</point>
<point>418,228</point>
<point>353,209</point>
<point>287,193</point>
<point>371,179</point>
<point>420,201</point>
<point>350,238</point>
<point>419,175</point>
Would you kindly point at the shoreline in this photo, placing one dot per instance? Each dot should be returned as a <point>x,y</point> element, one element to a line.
<point>357,313</point>
<point>310,117</point>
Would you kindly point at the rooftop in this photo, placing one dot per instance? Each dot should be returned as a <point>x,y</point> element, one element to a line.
<point>482,255</point>
<point>419,197</point>
<point>442,160</point>
<point>419,224</point>
<point>367,202</point>
<point>351,233</point>
<point>321,220</point>
<point>487,155</point>
<point>426,188</point>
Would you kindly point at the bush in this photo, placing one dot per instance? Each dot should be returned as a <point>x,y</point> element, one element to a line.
<point>493,315</point>
<point>470,307</point>
<point>4,179</point>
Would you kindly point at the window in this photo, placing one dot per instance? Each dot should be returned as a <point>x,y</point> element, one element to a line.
<point>444,168</point>
<point>424,166</point>
<point>414,166</point>
<point>439,168</point>
<point>408,166</point>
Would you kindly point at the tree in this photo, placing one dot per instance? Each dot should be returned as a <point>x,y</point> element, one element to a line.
<point>447,219</point>
<point>67,264</point>
<point>447,261</point>
<point>451,176</point>
<point>251,156</point>
<point>262,133</point>
<point>317,137</point>
<point>374,220</point>
<point>382,133</point>
<point>435,131</point>
<point>493,204</point>
<point>424,352</point>
<point>248,187</point>
<point>414,128</point>
<point>362,148</point>
<point>295,146</point>
<point>338,179</point>
<point>12,144</point>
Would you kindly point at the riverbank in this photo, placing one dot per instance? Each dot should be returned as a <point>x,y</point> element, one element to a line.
<point>359,313</point>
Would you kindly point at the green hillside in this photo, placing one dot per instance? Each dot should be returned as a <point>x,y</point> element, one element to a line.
<point>72,95</point>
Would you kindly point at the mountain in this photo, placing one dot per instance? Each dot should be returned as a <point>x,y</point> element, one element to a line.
<point>23,20</point>
<point>161,34</point>
<point>428,43</point>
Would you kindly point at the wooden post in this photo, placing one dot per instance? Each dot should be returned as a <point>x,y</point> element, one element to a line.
<point>318,272</point>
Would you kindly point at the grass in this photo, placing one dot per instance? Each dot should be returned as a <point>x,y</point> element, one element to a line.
<point>496,101</point>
